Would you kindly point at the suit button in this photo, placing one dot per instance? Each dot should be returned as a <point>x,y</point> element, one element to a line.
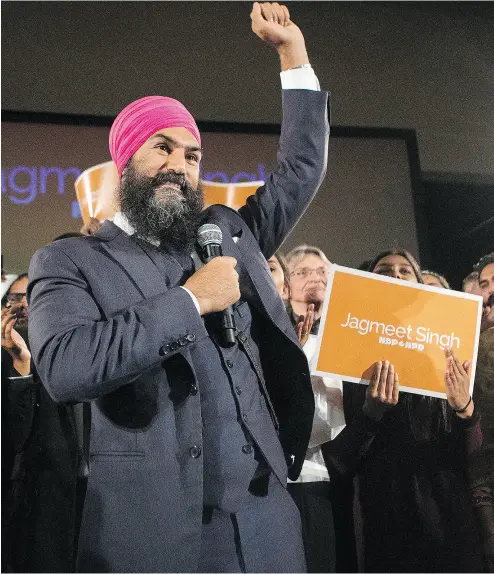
<point>238,390</point>
<point>191,337</point>
<point>164,350</point>
<point>229,364</point>
<point>193,390</point>
<point>183,341</point>
<point>195,451</point>
<point>247,448</point>
<point>174,346</point>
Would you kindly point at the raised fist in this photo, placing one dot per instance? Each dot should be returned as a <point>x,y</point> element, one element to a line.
<point>271,22</point>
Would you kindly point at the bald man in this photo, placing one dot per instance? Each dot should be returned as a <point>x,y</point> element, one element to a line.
<point>191,440</point>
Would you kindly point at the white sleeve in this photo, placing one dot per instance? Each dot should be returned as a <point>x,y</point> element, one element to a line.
<point>329,417</point>
<point>194,298</point>
<point>22,377</point>
<point>300,79</point>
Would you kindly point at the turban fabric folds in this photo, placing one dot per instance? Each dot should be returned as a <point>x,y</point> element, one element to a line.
<point>138,121</point>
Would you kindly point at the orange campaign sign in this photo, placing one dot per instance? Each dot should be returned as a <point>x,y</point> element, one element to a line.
<point>95,191</point>
<point>368,318</point>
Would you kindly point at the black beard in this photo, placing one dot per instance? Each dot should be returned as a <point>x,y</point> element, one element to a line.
<point>172,220</point>
<point>21,313</point>
<point>490,301</point>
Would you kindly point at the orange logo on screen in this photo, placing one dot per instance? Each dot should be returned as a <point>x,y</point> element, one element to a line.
<point>233,195</point>
<point>95,192</point>
<point>369,319</point>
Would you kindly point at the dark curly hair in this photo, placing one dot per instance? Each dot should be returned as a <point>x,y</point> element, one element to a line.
<point>483,262</point>
<point>403,253</point>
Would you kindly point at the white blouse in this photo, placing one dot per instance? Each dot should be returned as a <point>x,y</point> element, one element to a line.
<point>329,419</point>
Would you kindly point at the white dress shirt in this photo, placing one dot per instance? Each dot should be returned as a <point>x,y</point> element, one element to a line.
<point>329,419</point>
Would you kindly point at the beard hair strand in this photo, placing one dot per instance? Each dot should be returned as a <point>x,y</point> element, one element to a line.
<point>169,216</point>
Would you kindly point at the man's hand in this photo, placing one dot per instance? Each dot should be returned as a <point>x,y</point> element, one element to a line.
<point>271,22</point>
<point>383,390</point>
<point>14,344</point>
<point>457,380</point>
<point>215,285</point>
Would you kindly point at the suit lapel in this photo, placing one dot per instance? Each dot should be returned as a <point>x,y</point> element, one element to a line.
<point>252,268</point>
<point>142,270</point>
<point>254,274</point>
<point>230,248</point>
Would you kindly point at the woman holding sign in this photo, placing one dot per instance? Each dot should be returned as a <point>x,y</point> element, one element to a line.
<point>335,448</point>
<point>413,496</point>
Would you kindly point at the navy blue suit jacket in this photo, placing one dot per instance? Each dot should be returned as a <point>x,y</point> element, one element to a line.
<point>106,327</point>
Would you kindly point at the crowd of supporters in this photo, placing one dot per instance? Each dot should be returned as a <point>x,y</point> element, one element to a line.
<point>400,486</point>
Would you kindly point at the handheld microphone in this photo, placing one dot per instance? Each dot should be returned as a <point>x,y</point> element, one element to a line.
<point>209,239</point>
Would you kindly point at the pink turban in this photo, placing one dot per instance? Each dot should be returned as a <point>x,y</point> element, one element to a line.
<point>140,120</point>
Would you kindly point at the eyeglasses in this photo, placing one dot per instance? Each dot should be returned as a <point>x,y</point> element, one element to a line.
<point>15,297</point>
<point>307,271</point>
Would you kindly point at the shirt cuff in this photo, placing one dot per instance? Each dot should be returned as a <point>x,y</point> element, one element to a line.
<point>300,79</point>
<point>22,378</point>
<point>194,299</point>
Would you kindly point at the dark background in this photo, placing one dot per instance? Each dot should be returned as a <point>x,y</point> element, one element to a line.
<point>364,205</point>
<point>421,66</point>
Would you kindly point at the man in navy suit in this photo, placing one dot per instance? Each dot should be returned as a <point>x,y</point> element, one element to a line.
<point>191,441</point>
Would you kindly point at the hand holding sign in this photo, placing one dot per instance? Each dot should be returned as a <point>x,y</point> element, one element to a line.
<point>367,317</point>
<point>457,379</point>
<point>383,390</point>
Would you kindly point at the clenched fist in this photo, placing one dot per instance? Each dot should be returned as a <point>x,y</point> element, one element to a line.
<point>271,22</point>
<point>215,285</point>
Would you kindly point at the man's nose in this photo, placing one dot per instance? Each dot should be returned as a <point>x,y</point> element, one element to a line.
<point>176,161</point>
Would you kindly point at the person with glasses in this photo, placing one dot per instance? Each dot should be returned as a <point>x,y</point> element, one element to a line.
<point>320,492</point>
<point>42,484</point>
<point>281,278</point>
<point>412,485</point>
<point>14,312</point>
<point>192,435</point>
<point>308,269</point>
